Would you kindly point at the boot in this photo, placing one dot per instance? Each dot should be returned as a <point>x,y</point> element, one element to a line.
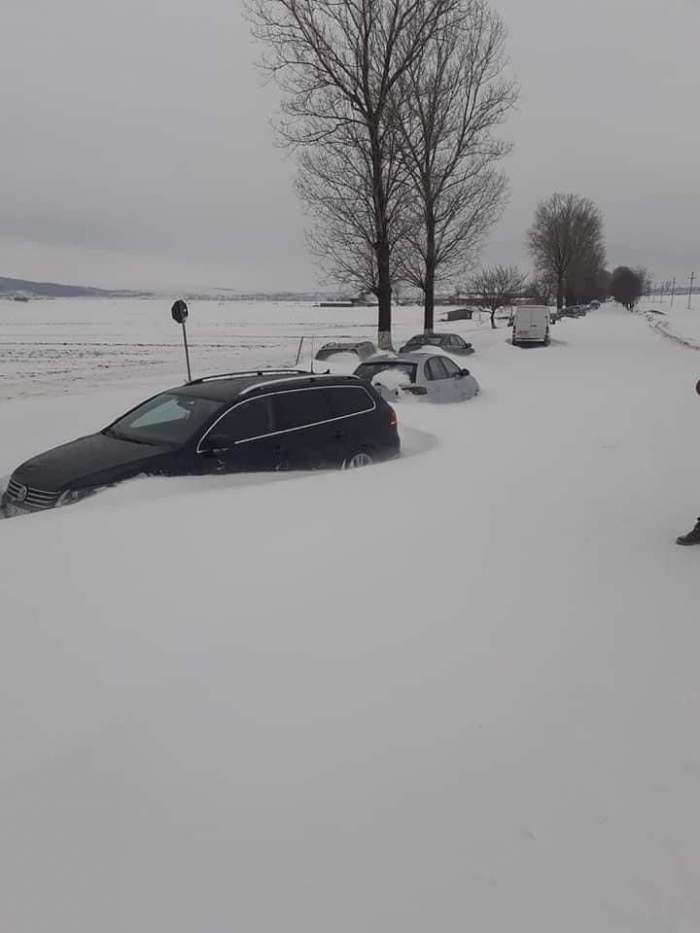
<point>693,537</point>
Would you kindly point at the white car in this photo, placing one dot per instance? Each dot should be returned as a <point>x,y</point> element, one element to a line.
<point>531,325</point>
<point>433,376</point>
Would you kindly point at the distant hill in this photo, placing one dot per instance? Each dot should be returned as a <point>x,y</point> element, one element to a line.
<point>21,288</point>
<point>24,289</point>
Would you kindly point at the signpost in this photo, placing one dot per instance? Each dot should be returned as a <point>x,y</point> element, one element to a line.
<point>180,312</point>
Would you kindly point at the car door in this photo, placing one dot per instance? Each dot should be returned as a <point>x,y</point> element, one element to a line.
<point>301,419</point>
<point>243,439</point>
<point>460,387</point>
<point>436,379</point>
<point>350,430</point>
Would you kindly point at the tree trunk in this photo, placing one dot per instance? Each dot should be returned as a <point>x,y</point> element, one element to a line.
<point>493,318</point>
<point>429,292</point>
<point>384,295</point>
<point>429,304</point>
<point>560,291</point>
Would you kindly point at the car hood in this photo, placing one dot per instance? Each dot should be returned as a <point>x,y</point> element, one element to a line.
<point>88,461</point>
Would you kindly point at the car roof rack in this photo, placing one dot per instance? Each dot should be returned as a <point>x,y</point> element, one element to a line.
<point>307,375</point>
<point>250,372</point>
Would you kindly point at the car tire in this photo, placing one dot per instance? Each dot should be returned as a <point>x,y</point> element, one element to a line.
<point>360,458</point>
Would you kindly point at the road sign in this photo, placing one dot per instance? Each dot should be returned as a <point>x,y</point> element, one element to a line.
<point>179,312</point>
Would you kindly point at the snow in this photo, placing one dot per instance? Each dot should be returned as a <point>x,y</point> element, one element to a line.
<point>457,691</point>
<point>391,380</point>
<point>679,323</point>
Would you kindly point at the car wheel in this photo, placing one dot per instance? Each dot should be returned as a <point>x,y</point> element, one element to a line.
<point>359,459</point>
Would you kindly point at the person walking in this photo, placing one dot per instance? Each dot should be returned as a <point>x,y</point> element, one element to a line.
<point>693,536</point>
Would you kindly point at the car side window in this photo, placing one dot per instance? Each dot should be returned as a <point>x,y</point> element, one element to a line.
<point>248,420</point>
<point>298,409</point>
<point>435,369</point>
<point>348,400</point>
<point>451,367</point>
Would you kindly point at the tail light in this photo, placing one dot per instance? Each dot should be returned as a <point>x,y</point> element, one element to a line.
<point>393,417</point>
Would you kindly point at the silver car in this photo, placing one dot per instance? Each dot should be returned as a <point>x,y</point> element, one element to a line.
<point>436,377</point>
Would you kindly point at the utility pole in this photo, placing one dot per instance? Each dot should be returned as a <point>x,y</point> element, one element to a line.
<point>690,292</point>
<point>673,289</point>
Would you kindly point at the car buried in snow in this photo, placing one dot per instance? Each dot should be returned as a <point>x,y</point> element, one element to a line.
<point>434,377</point>
<point>450,343</point>
<point>235,422</point>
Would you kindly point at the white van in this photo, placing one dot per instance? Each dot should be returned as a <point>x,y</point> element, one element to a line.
<point>531,325</point>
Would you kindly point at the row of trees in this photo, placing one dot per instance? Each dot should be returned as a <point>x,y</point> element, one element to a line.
<point>393,107</point>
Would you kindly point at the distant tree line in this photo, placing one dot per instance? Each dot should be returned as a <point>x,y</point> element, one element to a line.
<point>628,285</point>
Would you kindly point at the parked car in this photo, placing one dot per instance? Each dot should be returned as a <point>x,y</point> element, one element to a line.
<point>450,343</point>
<point>438,378</point>
<point>267,420</point>
<point>531,325</point>
<point>361,348</point>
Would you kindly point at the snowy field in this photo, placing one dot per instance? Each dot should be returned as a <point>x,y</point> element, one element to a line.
<point>455,692</point>
<point>678,322</point>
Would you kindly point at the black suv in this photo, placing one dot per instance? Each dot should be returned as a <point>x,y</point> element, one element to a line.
<point>265,420</point>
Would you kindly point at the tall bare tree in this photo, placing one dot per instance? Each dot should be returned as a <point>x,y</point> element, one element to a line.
<point>567,230</point>
<point>338,63</point>
<point>334,181</point>
<point>449,100</point>
<point>498,287</point>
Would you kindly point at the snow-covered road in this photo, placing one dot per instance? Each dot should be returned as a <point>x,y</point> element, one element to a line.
<point>458,691</point>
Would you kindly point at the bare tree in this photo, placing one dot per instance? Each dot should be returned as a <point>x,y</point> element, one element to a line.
<point>567,230</point>
<point>334,182</point>
<point>447,104</point>
<point>583,280</point>
<point>627,286</point>
<point>542,288</point>
<point>498,287</point>
<point>338,64</point>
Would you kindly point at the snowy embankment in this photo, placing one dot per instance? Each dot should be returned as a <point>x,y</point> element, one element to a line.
<point>679,323</point>
<point>456,691</point>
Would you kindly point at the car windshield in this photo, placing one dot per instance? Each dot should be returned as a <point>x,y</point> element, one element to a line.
<point>371,370</point>
<point>167,420</point>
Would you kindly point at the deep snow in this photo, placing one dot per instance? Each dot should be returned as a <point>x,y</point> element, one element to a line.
<point>458,691</point>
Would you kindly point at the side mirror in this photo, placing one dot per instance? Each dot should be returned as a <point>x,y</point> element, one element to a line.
<point>462,373</point>
<point>697,387</point>
<point>214,442</point>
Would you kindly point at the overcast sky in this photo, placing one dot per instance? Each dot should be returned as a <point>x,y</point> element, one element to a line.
<point>136,146</point>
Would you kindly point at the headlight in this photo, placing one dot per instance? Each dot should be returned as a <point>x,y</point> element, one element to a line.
<point>75,495</point>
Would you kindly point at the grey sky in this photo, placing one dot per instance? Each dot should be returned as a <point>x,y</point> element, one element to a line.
<point>137,148</point>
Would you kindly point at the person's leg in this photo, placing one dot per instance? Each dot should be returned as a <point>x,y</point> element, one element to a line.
<point>693,537</point>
